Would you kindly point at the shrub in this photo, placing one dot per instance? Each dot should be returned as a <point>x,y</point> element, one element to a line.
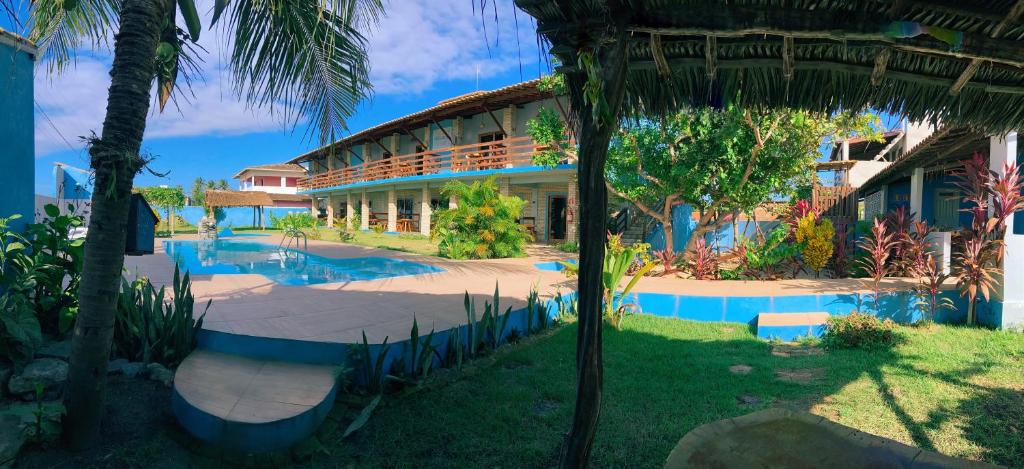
<point>703,263</point>
<point>901,256</point>
<point>840,265</point>
<point>618,260</point>
<point>294,221</point>
<point>859,330</point>
<point>816,238</point>
<point>877,247</point>
<point>150,328</point>
<point>569,246</point>
<point>483,225</point>
<point>768,258</point>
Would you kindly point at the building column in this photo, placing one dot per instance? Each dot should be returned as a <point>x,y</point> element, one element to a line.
<point>392,210</point>
<point>883,206</point>
<point>330,210</point>
<point>571,210</point>
<point>1007,305</point>
<point>425,211</point>
<point>364,213</point>
<point>349,210</point>
<point>312,208</point>
<point>917,193</point>
<point>453,202</point>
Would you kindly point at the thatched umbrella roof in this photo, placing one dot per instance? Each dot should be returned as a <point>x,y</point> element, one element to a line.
<point>218,198</point>
<point>957,62</point>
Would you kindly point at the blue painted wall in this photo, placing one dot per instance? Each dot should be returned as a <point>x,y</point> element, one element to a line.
<point>683,225</point>
<point>76,184</point>
<point>17,129</point>
<point>898,195</point>
<point>230,216</point>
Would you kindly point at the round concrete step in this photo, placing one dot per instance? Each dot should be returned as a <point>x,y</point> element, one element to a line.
<point>249,404</point>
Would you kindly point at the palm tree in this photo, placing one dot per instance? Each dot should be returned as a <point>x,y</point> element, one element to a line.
<point>306,58</point>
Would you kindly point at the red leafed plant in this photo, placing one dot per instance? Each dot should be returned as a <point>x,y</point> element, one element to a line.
<point>898,222</point>
<point>841,254</point>
<point>977,263</point>
<point>878,245</point>
<point>797,212</point>
<point>670,262</point>
<point>918,248</point>
<point>932,277</point>
<point>703,263</point>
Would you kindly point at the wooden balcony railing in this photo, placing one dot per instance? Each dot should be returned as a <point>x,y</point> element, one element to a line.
<point>509,153</point>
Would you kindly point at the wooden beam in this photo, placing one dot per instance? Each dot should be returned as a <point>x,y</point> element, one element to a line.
<point>972,68</point>
<point>824,65</point>
<point>788,57</point>
<point>881,63</point>
<point>659,56</point>
<point>495,119</point>
<point>445,132</point>
<point>414,137</point>
<point>387,151</point>
<point>711,57</point>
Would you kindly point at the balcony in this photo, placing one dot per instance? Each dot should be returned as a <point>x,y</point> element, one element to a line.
<point>515,152</point>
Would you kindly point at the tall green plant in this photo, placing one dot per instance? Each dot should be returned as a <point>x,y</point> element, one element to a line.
<point>149,327</point>
<point>617,262</point>
<point>168,198</point>
<point>484,225</point>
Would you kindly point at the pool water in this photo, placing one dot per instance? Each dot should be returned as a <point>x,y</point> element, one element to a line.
<point>284,266</point>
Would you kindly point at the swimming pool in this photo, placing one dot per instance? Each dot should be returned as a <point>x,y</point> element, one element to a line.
<point>284,266</point>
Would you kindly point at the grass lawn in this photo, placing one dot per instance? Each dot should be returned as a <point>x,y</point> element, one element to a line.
<point>405,242</point>
<point>954,390</point>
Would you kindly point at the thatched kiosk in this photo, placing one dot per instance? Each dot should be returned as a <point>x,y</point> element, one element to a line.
<point>957,62</point>
<point>257,200</point>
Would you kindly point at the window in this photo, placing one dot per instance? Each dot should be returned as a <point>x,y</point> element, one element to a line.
<point>491,137</point>
<point>404,207</point>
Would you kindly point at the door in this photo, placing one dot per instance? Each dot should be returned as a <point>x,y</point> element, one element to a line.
<point>556,217</point>
<point>947,209</point>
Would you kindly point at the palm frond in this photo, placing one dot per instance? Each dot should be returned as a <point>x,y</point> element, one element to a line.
<point>306,58</point>
<point>60,27</point>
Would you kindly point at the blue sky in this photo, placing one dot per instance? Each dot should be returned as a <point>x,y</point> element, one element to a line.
<point>419,55</point>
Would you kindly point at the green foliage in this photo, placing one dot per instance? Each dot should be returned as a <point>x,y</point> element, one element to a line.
<point>860,330</point>
<point>417,357</point>
<point>40,270</point>
<point>569,246</point>
<point>483,225</point>
<point>619,261</point>
<point>364,416</point>
<point>767,258</point>
<point>554,83</point>
<point>151,328</point>
<point>39,421</point>
<point>370,367</point>
<point>379,228</point>
<point>548,129</point>
<point>815,238</point>
<point>164,197</point>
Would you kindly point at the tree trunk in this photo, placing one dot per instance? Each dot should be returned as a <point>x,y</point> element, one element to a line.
<point>115,159</point>
<point>703,226</point>
<point>171,219</point>
<point>594,138</point>
<point>666,227</point>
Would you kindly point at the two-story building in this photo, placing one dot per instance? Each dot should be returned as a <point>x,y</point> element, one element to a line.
<point>393,172</point>
<point>279,181</point>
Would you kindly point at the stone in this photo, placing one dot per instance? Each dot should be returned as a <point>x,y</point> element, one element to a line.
<point>748,400</point>
<point>740,369</point>
<point>50,372</point>
<point>158,372</point>
<point>799,375</point>
<point>61,350</point>
<point>207,228</point>
<point>116,366</point>
<point>12,438</point>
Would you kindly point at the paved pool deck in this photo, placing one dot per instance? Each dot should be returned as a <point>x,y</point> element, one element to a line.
<point>252,305</point>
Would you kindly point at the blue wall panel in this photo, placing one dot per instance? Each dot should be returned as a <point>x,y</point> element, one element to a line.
<point>683,225</point>
<point>231,216</point>
<point>17,128</point>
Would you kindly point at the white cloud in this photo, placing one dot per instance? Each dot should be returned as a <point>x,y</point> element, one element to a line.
<point>418,44</point>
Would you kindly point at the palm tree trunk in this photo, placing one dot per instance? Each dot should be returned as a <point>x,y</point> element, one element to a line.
<point>115,159</point>
<point>594,139</point>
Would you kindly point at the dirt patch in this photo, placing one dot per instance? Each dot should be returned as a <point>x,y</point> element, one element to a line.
<point>799,375</point>
<point>545,407</point>
<point>740,369</point>
<point>134,432</point>
<point>789,350</point>
<point>749,400</point>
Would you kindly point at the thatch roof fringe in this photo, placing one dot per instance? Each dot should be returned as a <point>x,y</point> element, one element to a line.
<point>928,61</point>
<point>218,198</point>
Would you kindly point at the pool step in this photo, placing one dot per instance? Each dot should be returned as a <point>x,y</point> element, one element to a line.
<point>789,326</point>
<point>250,404</point>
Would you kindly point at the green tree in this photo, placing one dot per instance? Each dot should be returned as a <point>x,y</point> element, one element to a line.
<point>720,161</point>
<point>306,57</point>
<point>484,224</point>
<point>167,198</point>
<point>223,185</point>
<point>198,192</point>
